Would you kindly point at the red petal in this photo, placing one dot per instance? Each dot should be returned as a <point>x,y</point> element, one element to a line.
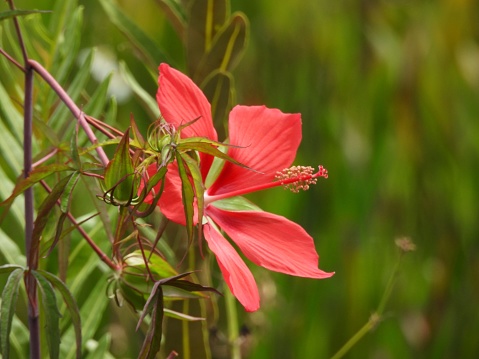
<point>269,140</point>
<point>271,241</point>
<point>181,101</point>
<point>170,202</point>
<point>235,272</point>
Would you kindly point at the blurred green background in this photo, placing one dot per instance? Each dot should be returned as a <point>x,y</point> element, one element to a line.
<point>389,96</point>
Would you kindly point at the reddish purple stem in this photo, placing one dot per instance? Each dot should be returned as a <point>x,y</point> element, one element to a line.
<point>72,106</point>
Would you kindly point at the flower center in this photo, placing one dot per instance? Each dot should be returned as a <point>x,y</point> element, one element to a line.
<point>295,178</point>
<point>302,176</point>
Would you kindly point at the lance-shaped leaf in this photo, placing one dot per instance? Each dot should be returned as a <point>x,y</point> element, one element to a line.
<point>65,202</point>
<point>186,285</point>
<point>154,307</point>
<point>199,188</point>
<point>149,50</point>
<point>52,315</point>
<point>174,13</point>
<point>218,87</point>
<point>207,146</point>
<point>44,211</point>
<point>9,302</point>
<point>206,17</point>
<point>13,13</point>
<point>188,195</point>
<point>137,136</point>
<point>120,180</point>
<point>70,303</point>
<point>35,176</point>
<point>152,182</point>
<point>74,148</point>
<point>227,48</point>
<point>8,268</point>
<point>181,316</point>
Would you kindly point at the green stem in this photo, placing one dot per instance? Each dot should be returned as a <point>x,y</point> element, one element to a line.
<point>356,337</point>
<point>186,331</point>
<point>375,317</point>
<point>389,286</point>
<point>233,327</point>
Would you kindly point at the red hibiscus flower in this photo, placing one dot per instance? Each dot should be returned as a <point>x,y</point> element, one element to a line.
<point>266,140</point>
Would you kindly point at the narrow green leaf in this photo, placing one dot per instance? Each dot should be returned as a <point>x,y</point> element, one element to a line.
<point>218,88</point>
<point>101,350</point>
<point>74,149</point>
<point>52,315</point>
<point>139,91</point>
<point>192,287</point>
<point>13,13</point>
<point>181,316</point>
<point>35,176</point>
<point>175,14</point>
<point>65,201</point>
<point>9,302</point>
<point>227,48</point>
<point>142,42</point>
<point>66,198</point>
<point>44,211</point>
<point>93,310</point>
<point>110,115</point>
<point>209,147</point>
<point>194,170</point>
<point>152,342</point>
<point>137,136</point>
<point>187,197</point>
<point>62,114</point>
<point>8,268</point>
<point>71,305</point>
<point>176,277</point>
<point>206,17</point>
<point>65,48</point>
<point>149,305</point>
<point>99,98</point>
<point>10,250</point>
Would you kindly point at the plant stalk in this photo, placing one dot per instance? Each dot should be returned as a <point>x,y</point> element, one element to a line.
<point>233,331</point>
<point>79,115</point>
<point>32,258</point>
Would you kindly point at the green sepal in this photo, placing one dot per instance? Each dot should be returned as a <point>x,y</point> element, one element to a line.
<point>187,196</point>
<point>120,179</point>
<point>237,203</point>
<point>207,146</point>
<point>156,264</point>
<point>199,188</point>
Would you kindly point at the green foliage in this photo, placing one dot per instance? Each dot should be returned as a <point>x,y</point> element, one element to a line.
<point>388,96</point>
<point>9,302</point>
